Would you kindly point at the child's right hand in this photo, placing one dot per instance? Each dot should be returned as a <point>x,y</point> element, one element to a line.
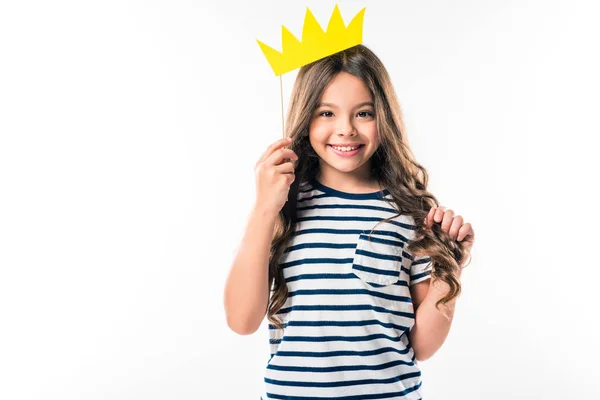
<point>274,176</point>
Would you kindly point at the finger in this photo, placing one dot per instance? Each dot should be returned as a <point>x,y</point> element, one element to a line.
<point>465,230</point>
<point>278,144</point>
<point>285,168</point>
<point>447,220</point>
<point>439,214</point>
<point>457,223</point>
<point>280,155</point>
<point>291,179</point>
<point>429,218</point>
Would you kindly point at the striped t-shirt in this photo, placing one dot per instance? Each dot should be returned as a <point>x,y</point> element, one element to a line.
<point>349,310</point>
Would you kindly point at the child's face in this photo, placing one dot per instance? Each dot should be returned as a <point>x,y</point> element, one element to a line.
<point>345,120</point>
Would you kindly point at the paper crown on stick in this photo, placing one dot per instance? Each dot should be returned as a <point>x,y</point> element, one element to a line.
<point>316,43</point>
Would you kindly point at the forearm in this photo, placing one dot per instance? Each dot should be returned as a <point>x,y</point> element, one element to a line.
<point>246,290</point>
<point>432,325</point>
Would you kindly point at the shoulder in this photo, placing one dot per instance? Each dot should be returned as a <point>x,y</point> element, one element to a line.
<point>406,224</point>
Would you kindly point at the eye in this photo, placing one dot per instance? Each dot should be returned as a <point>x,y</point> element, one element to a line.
<point>370,114</point>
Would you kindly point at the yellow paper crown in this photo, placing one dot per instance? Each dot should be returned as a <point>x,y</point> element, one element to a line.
<point>315,44</point>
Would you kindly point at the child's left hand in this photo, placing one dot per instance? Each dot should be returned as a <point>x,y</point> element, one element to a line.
<point>453,225</point>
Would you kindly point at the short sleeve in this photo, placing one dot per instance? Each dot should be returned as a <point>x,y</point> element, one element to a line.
<point>420,269</point>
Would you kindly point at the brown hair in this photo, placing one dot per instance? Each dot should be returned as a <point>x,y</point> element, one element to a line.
<point>393,166</point>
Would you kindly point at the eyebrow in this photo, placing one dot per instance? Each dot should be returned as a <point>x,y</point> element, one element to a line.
<point>366,103</point>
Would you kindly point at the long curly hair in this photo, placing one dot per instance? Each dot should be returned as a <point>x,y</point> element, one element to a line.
<point>393,166</point>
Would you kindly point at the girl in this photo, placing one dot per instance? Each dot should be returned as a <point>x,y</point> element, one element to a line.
<point>342,242</point>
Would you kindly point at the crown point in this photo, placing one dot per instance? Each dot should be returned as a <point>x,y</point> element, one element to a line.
<point>316,43</point>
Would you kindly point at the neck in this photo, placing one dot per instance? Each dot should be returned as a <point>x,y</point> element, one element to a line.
<point>354,181</point>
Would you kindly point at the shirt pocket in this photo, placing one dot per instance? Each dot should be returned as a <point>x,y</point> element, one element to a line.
<point>377,261</point>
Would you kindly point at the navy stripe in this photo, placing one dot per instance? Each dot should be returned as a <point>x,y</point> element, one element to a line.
<point>376,271</point>
<point>316,261</point>
<point>337,276</point>
<point>337,338</point>
<point>337,193</point>
<point>349,196</point>
<point>355,353</point>
<point>351,307</point>
<point>352,232</point>
<point>417,276</point>
<point>405,352</point>
<point>302,261</point>
<point>355,382</point>
<point>354,397</point>
<point>320,276</point>
<point>365,237</point>
<point>422,261</point>
<point>321,245</point>
<point>337,292</point>
<point>360,367</point>
<point>378,255</point>
<point>342,323</point>
<point>347,206</point>
<point>354,218</point>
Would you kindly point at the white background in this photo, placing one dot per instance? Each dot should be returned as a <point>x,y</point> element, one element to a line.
<point>129,132</point>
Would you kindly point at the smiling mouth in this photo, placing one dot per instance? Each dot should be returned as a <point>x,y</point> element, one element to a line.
<point>346,148</point>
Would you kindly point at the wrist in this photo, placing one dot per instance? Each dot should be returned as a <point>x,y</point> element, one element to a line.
<point>263,212</point>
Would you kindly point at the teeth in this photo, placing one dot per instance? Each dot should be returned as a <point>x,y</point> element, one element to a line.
<point>345,148</point>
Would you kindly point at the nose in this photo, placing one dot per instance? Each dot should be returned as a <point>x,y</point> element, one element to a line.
<point>345,127</point>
